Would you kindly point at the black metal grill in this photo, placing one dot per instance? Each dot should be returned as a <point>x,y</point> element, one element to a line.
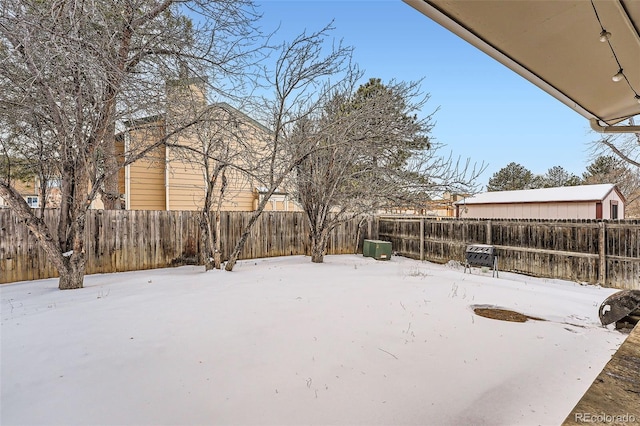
<point>481,255</point>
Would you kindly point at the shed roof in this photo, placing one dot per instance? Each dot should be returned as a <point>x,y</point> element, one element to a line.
<point>543,195</point>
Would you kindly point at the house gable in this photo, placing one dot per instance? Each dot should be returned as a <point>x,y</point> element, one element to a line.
<point>173,178</point>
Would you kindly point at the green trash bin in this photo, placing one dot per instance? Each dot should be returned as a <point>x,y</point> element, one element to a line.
<point>379,250</point>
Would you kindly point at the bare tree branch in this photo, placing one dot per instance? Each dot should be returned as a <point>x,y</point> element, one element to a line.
<point>375,154</point>
<point>73,70</point>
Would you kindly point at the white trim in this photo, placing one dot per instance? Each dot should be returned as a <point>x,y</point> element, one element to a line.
<point>27,199</point>
<point>127,173</point>
<point>167,170</point>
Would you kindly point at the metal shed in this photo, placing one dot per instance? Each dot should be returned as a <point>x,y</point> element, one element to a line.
<point>602,201</point>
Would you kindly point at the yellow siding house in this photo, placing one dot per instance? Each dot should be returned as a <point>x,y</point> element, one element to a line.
<point>173,178</point>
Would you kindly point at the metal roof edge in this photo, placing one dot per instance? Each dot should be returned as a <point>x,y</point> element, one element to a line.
<point>613,187</point>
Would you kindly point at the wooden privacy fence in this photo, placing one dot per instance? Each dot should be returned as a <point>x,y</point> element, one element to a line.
<point>605,252</point>
<point>591,251</point>
<point>129,240</point>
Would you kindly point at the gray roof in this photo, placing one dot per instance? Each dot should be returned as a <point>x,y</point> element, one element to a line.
<point>544,195</point>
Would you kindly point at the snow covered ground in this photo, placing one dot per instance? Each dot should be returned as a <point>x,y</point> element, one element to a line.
<point>285,341</point>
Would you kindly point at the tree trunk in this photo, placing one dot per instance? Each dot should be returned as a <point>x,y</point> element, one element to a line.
<point>211,245</point>
<point>67,192</point>
<point>355,250</point>
<point>207,242</point>
<point>217,256</point>
<point>111,192</point>
<point>319,246</point>
<point>72,275</point>
<point>70,268</point>
<point>111,195</point>
<point>317,252</point>
<point>42,192</point>
<point>233,258</point>
<point>206,257</point>
<point>74,260</point>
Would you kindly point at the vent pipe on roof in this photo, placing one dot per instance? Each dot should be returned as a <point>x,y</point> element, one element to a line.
<point>595,125</point>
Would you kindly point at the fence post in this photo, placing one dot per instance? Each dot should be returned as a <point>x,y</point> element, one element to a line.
<point>602,255</point>
<point>489,239</point>
<point>376,228</point>
<point>421,238</point>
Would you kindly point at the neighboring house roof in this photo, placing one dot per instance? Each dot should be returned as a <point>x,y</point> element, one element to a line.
<point>222,105</point>
<point>544,195</point>
<point>243,115</point>
<point>135,122</point>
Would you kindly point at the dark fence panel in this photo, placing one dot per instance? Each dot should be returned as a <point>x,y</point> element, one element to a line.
<point>130,240</point>
<point>605,252</point>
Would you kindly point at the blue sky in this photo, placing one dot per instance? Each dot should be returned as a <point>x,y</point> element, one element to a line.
<point>487,112</point>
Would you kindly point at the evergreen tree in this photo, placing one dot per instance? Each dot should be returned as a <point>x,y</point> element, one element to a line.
<point>373,153</point>
<point>558,176</point>
<point>604,169</point>
<point>513,177</point>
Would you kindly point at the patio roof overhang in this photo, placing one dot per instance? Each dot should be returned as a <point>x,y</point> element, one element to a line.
<point>557,46</point>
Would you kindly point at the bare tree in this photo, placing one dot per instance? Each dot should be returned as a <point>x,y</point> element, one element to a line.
<point>376,154</point>
<point>609,169</point>
<point>626,146</point>
<point>28,146</point>
<point>304,76</point>
<point>76,68</point>
<point>223,148</point>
